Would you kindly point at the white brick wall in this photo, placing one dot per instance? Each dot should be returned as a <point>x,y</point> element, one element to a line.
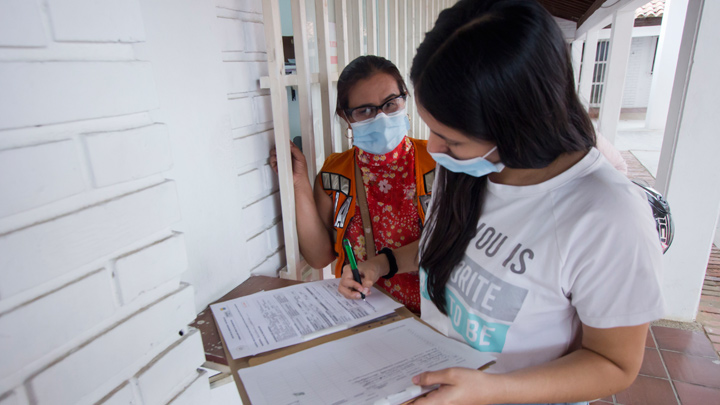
<point>263,109</point>
<point>232,36</point>
<point>53,319</point>
<point>151,266</point>
<point>241,112</point>
<point>54,92</point>
<point>254,148</point>
<point>21,24</point>
<point>250,6</point>
<point>159,382</point>
<point>244,76</point>
<point>123,396</point>
<point>91,261</point>
<point>94,364</point>
<point>261,214</point>
<point>96,20</point>
<point>116,118</point>
<point>36,254</point>
<point>195,393</point>
<point>107,154</point>
<point>255,35</point>
<point>251,120</point>
<point>27,183</point>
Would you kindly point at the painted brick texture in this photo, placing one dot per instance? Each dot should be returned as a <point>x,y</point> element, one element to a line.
<point>27,184</point>
<point>108,154</point>
<point>94,364</point>
<point>52,320</point>
<point>54,92</point>
<point>37,254</point>
<point>151,266</point>
<point>93,246</point>
<point>159,382</point>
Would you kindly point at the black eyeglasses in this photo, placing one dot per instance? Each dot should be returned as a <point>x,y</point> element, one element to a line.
<point>367,112</point>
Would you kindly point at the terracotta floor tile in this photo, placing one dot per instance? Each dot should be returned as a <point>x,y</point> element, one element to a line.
<point>649,341</point>
<point>647,391</point>
<point>684,341</point>
<point>692,369</point>
<point>598,402</point>
<point>696,395</point>
<point>652,365</point>
<point>608,399</point>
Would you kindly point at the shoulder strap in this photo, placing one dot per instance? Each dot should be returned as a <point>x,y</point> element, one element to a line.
<point>362,202</point>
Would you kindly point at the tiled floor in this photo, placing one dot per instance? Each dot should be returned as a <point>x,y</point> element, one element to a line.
<point>681,366</point>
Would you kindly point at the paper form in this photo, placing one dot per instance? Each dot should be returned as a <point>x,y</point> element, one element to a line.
<point>278,318</point>
<point>372,367</point>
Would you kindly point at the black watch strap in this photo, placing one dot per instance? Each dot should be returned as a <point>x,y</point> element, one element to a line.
<point>391,259</point>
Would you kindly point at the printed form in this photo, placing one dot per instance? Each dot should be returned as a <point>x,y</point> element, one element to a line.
<point>273,319</point>
<point>372,367</point>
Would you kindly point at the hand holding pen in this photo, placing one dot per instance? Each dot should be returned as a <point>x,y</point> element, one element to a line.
<point>352,283</point>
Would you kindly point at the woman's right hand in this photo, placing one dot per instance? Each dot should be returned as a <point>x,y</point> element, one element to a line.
<point>299,164</point>
<point>370,271</point>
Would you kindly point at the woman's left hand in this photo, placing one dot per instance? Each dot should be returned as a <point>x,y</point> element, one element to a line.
<point>457,386</point>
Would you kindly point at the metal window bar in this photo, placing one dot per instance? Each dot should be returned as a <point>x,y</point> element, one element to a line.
<point>393,28</point>
<point>599,73</point>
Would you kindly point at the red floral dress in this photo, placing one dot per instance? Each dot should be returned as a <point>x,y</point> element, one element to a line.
<point>391,195</point>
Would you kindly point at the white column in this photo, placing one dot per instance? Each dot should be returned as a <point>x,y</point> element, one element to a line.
<point>620,40</point>
<point>689,171</point>
<point>278,99</point>
<point>577,51</point>
<point>665,62</point>
<point>588,66</point>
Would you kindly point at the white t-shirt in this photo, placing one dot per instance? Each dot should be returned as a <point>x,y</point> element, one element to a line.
<point>581,246</point>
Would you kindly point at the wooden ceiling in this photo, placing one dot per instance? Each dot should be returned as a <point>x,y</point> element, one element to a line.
<point>573,10</point>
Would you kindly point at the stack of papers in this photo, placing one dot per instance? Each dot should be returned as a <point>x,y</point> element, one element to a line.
<point>279,318</point>
<point>372,367</point>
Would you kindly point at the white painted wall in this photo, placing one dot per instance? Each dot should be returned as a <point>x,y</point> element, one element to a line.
<point>638,76</point>
<point>134,189</point>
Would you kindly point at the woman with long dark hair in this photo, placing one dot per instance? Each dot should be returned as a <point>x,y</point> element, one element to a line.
<point>535,249</point>
<point>374,194</point>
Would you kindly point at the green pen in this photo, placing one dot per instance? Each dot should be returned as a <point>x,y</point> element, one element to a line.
<point>353,264</point>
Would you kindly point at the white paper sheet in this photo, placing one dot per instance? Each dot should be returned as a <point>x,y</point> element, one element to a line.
<point>373,367</point>
<point>278,318</point>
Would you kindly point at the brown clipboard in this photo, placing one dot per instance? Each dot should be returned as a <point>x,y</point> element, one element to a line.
<point>249,361</point>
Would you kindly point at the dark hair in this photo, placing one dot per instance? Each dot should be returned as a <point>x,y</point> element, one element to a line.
<point>361,68</point>
<point>498,71</point>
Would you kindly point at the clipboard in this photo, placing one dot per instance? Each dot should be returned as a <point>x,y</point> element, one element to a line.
<point>249,361</point>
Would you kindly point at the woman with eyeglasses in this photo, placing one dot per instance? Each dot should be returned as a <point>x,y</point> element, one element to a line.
<point>535,248</point>
<point>385,171</point>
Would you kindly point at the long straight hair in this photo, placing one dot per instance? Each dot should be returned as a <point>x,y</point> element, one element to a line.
<point>497,71</point>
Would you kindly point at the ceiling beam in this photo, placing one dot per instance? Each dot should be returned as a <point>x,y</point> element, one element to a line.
<point>600,14</point>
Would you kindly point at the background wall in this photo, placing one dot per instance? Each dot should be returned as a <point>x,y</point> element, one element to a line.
<point>134,190</point>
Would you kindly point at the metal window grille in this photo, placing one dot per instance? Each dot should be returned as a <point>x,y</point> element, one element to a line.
<point>599,73</point>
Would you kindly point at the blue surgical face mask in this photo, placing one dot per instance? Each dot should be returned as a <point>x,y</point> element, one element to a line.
<point>381,134</point>
<point>476,167</point>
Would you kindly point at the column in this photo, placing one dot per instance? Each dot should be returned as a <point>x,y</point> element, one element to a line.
<point>620,40</point>
<point>576,53</point>
<point>665,62</point>
<point>689,170</point>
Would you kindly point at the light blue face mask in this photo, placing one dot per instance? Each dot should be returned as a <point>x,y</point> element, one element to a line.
<point>476,167</point>
<point>381,134</point>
